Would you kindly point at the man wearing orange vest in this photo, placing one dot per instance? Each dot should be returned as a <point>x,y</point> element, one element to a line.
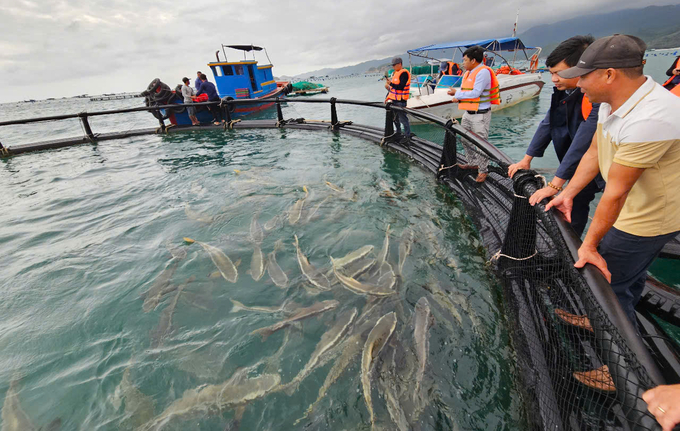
<point>673,83</point>
<point>399,87</point>
<point>478,91</point>
<point>570,124</point>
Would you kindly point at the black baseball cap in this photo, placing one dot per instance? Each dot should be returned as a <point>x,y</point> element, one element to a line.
<point>619,51</point>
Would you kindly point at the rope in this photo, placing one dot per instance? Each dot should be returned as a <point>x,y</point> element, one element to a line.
<point>383,140</point>
<point>498,255</point>
<point>230,125</point>
<point>545,183</point>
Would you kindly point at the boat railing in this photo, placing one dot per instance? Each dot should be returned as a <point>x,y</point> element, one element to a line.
<point>532,251</point>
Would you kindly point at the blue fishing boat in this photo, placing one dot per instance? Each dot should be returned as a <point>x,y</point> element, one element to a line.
<point>239,79</point>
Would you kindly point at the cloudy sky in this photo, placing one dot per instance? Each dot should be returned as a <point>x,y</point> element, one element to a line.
<point>63,48</point>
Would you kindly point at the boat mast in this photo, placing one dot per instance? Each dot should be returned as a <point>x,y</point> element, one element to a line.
<point>514,34</point>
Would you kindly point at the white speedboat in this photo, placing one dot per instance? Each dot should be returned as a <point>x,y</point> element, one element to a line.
<point>516,85</point>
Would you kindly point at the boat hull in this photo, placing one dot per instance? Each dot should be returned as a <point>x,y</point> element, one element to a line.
<point>513,90</point>
<point>205,117</point>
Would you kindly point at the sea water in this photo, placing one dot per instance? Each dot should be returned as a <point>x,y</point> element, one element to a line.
<point>85,231</point>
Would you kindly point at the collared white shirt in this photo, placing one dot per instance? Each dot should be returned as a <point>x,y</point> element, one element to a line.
<point>645,133</point>
<point>482,82</point>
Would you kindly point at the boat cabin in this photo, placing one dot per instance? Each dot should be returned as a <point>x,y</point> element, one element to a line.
<point>244,79</point>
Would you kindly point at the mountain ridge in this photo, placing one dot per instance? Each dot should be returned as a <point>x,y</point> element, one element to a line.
<point>664,34</point>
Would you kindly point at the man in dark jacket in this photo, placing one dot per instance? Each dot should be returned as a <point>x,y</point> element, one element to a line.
<point>570,124</point>
<point>208,88</point>
<point>673,73</point>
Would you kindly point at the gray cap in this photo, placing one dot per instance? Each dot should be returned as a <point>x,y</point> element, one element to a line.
<point>618,51</point>
<point>397,60</point>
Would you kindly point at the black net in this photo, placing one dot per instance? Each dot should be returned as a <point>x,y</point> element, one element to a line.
<point>579,370</point>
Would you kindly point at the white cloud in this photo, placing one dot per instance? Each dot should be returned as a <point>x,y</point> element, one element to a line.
<point>58,48</point>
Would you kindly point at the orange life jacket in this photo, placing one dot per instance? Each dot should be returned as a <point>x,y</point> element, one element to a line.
<point>395,94</point>
<point>534,63</point>
<point>675,90</point>
<point>677,66</point>
<point>586,107</point>
<point>449,70</point>
<point>488,95</point>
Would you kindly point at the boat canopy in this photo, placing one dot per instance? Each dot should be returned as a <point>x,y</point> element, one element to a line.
<point>502,44</point>
<point>246,48</point>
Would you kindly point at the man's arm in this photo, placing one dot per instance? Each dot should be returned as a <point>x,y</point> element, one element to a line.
<point>619,182</point>
<point>482,81</point>
<point>579,145</point>
<point>587,170</point>
<point>537,147</point>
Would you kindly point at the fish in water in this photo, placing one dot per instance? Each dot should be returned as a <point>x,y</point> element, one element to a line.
<point>236,391</point>
<point>239,306</point>
<point>351,347</point>
<point>335,188</point>
<point>272,223</point>
<point>275,272</point>
<point>257,265</point>
<point>165,323</point>
<point>296,210</point>
<point>14,418</point>
<point>256,232</point>
<point>160,287</point>
<point>364,288</point>
<point>313,275</point>
<point>405,248</point>
<point>224,265</point>
<point>443,299</point>
<point>328,341</point>
<point>353,256</point>
<point>358,267</point>
<point>422,321</point>
<point>315,210</point>
<point>376,340</point>
<point>382,257</point>
<point>451,263</point>
<point>388,389</point>
<point>300,314</point>
<point>139,408</point>
<point>178,253</point>
<point>386,190</point>
<point>193,215</point>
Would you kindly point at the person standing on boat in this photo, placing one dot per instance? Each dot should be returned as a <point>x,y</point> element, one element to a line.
<point>479,90</point>
<point>187,92</point>
<point>399,88</point>
<point>449,68</point>
<point>673,83</point>
<point>570,124</point>
<point>198,81</point>
<point>636,148</point>
<point>208,88</point>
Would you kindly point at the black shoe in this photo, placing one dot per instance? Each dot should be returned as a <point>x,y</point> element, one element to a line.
<point>405,141</point>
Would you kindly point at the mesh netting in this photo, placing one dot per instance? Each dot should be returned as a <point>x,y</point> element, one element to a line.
<point>578,371</point>
<point>305,85</point>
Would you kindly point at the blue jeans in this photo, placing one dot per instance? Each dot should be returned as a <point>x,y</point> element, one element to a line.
<point>628,257</point>
<point>400,117</point>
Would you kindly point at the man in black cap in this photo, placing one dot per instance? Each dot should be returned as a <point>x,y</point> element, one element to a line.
<point>399,88</point>
<point>636,148</point>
